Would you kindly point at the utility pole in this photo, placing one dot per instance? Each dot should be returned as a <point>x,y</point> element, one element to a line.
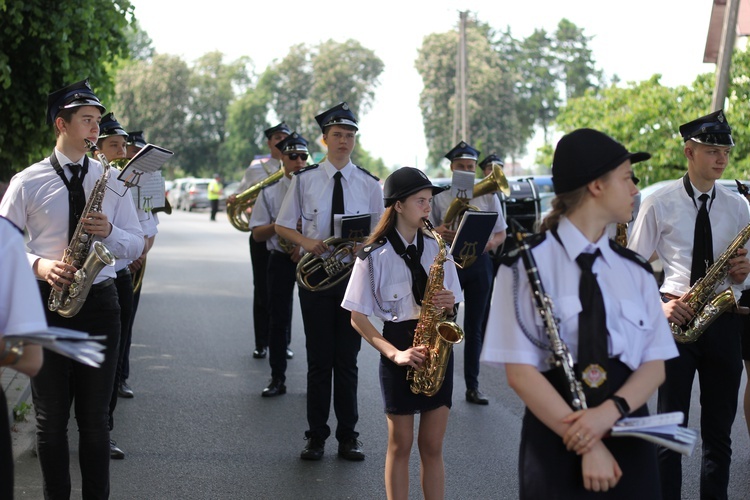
<point>724,60</point>
<point>460,112</point>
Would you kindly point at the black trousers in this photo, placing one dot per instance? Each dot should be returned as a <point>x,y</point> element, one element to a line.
<point>476,282</point>
<point>282,271</point>
<point>332,346</point>
<point>716,356</point>
<point>124,370</point>
<point>259,258</point>
<point>124,284</point>
<point>214,208</point>
<point>61,380</point>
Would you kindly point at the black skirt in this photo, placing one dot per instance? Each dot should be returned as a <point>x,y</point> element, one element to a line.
<point>397,396</point>
<point>543,455</point>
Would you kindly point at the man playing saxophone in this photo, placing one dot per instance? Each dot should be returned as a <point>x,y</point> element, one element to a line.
<point>688,224</point>
<point>47,199</point>
<point>476,280</point>
<point>282,262</point>
<point>389,281</point>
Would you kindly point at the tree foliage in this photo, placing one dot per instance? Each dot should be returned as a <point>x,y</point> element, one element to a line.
<point>43,48</point>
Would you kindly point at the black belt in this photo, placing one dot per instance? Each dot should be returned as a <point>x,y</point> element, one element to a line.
<point>123,272</point>
<point>104,284</point>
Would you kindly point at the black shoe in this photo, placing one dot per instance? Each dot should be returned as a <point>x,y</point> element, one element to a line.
<point>289,353</point>
<point>275,388</point>
<point>260,352</point>
<point>476,397</point>
<point>313,449</point>
<point>351,449</point>
<point>124,391</point>
<point>115,453</point>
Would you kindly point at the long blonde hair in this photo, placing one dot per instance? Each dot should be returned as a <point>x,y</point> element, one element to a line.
<point>565,203</point>
<point>385,224</point>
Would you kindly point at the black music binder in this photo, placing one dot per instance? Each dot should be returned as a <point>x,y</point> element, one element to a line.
<point>472,236</point>
<point>355,226</point>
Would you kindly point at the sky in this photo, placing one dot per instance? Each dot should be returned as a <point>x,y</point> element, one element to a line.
<point>634,40</point>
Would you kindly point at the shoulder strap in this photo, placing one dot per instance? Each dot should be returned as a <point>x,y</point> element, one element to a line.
<point>368,173</point>
<point>365,251</point>
<point>631,255</point>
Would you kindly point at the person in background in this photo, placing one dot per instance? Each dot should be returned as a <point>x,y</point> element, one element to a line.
<point>316,195</point>
<point>20,312</point>
<point>48,199</point>
<point>256,172</point>
<point>688,224</point>
<point>385,284</point>
<point>476,280</point>
<point>282,262</point>
<point>214,193</point>
<point>606,309</point>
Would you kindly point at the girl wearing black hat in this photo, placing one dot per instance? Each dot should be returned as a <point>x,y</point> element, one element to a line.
<point>610,320</point>
<point>384,285</point>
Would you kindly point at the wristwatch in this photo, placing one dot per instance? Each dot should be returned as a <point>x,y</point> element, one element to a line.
<point>11,353</point>
<point>622,405</point>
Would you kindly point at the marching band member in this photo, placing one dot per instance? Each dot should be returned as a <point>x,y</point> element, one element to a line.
<point>47,199</point>
<point>20,312</point>
<point>282,263</point>
<point>608,315</point>
<point>395,297</point>
<point>332,343</point>
<point>255,173</point>
<point>476,280</point>
<point>688,224</point>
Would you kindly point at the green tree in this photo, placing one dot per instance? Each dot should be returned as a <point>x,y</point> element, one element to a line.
<point>153,96</point>
<point>246,121</point>
<point>576,66</point>
<point>43,48</point>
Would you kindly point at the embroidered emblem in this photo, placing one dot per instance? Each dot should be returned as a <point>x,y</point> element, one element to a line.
<point>594,375</point>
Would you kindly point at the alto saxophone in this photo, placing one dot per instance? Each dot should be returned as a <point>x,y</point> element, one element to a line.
<point>701,298</point>
<point>70,299</point>
<point>433,331</point>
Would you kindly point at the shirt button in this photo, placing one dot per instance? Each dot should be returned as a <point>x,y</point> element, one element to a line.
<point>395,296</point>
<point>640,323</point>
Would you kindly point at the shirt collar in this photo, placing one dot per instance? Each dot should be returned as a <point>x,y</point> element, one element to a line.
<point>64,160</point>
<point>406,243</point>
<point>576,243</point>
<point>346,172</point>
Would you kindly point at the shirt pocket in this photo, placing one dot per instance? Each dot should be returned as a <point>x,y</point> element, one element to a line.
<point>310,215</point>
<point>565,309</point>
<point>398,298</point>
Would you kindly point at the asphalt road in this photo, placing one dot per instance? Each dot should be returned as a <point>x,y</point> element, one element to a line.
<point>199,429</point>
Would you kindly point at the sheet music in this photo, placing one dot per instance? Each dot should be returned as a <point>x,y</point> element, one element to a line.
<point>150,193</point>
<point>149,159</point>
<point>462,185</point>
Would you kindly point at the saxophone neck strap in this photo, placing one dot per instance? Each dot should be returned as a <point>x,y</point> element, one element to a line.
<point>689,190</point>
<point>59,170</point>
<point>418,274</point>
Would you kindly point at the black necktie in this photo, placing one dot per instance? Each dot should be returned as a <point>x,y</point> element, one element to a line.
<point>337,202</point>
<point>418,274</point>
<point>76,198</point>
<point>593,355</point>
<point>703,247</point>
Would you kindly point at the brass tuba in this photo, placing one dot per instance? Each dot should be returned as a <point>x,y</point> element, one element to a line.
<point>237,209</point>
<point>82,249</point>
<point>433,331</point>
<point>316,273</point>
<point>701,298</point>
<point>494,182</point>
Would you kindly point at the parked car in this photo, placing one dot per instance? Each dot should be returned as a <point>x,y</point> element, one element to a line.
<point>195,194</point>
<point>176,192</point>
<point>229,189</point>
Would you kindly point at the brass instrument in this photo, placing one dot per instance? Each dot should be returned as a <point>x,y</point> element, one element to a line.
<point>496,181</point>
<point>561,358</point>
<point>433,331</point>
<point>701,298</point>
<point>317,273</point>
<point>621,236</point>
<point>83,249</point>
<point>237,209</point>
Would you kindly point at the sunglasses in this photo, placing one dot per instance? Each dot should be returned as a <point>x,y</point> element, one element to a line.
<point>294,156</point>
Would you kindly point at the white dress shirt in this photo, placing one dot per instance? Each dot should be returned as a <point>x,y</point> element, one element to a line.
<point>666,224</point>
<point>267,207</point>
<point>257,171</point>
<point>638,330</point>
<point>311,192</point>
<point>21,308</point>
<point>37,200</point>
<point>391,283</point>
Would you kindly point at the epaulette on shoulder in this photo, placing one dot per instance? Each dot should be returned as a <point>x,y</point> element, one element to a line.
<point>368,173</point>
<point>631,255</point>
<point>365,250</point>
<point>531,240</point>
<point>306,169</point>
<point>12,224</point>
<point>271,184</point>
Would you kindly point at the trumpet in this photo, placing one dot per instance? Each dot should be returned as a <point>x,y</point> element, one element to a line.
<point>237,209</point>
<point>316,273</point>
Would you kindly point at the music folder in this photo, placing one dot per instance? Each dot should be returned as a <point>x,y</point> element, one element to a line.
<point>472,236</point>
<point>353,227</point>
<point>149,159</point>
